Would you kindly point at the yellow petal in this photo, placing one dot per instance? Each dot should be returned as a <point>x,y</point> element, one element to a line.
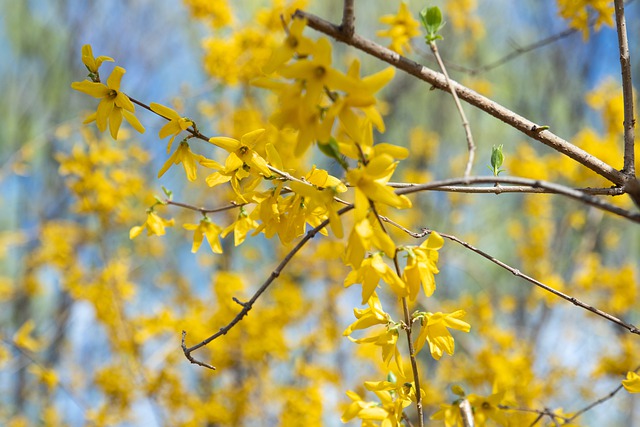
<point>226,143</point>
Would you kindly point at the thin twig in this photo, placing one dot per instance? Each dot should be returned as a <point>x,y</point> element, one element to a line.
<point>596,403</point>
<point>246,307</point>
<point>348,18</point>
<point>425,231</point>
<point>203,210</point>
<point>552,187</point>
<point>465,123</point>
<point>608,191</point>
<point>627,90</point>
<point>541,413</point>
<point>631,328</point>
<point>437,80</point>
<point>412,354</point>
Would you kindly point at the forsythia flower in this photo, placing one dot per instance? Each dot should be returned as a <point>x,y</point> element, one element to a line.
<point>294,43</point>
<point>363,235</point>
<point>243,149</point>
<point>486,408</point>
<point>24,340</point>
<point>632,383</point>
<point>188,159</point>
<point>240,227</point>
<point>374,315</point>
<point>434,331</point>
<point>154,225</point>
<point>218,12</point>
<point>577,12</point>
<point>370,183</point>
<point>318,73</point>
<point>366,411</point>
<point>176,123</point>
<point>92,63</point>
<point>369,274</point>
<point>422,265</point>
<point>319,196</point>
<point>113,103</point>
<point>403,28</point>
<point>207,229</point>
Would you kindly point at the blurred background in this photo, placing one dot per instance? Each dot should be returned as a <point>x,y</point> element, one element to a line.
<point>90,320</point>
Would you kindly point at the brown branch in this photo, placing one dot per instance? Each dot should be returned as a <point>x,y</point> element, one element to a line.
<point>631,328</point>
<point>552,187</point>
<point>627,90</point>
<point>596,403</point>
<point>437,80</point>
<point>246,306</point>
<point>541,414</point>
<point>412,354</point>
<point>465,123</point>
<point>348,18</point>
<point>203,210</point>
<point>425,231</point>
<point>609,191</point>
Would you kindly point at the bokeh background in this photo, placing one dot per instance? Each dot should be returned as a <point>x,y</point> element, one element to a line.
<point>90,321</point>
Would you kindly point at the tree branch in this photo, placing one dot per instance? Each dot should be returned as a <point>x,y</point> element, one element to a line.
<point>610,191</point>
<point>465,123</point>
<point>246,306</point>
<point>437,80</point>
<point>627,90</point>
<point>631,328</point>
<point>348,18</point>
<point>534,183</point>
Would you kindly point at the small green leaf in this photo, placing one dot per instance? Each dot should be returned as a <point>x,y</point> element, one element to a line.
<point>497,158</point>
<point>331,149</point>
<point>167,193</point>
<point>431,18</point>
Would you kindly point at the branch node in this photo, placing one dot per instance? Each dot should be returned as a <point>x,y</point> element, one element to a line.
<point>190,358</point>
<point>240,303</point>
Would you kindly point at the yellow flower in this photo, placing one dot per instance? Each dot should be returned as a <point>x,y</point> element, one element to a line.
<point>24,340</point>
<point>450,414</point>
<point>154,225</point>
<point>364,235</point>
<point>486,408</point>
<point>366,411</point>
<point>319,197</point>
<point>295,43</point>
<point>422,265</point>
<point>176,123</point>
<point>240,227</point>
<point>403,28</point>
<point>244,150</point>
<point>45,376</point>
<point>188,159</point>
<point>370,183</point>
<point>113,105</point>
<point>361,96</point>
<point>369,274</point>
<point>434,331</point>
<point>632,383</point>
<point>576,11</point>
<point>387,340</point>
<point>207,229</point>
<point>92,63</point>
<point>374,315</point>
<point>318,74</point>
<point>233,171</point>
